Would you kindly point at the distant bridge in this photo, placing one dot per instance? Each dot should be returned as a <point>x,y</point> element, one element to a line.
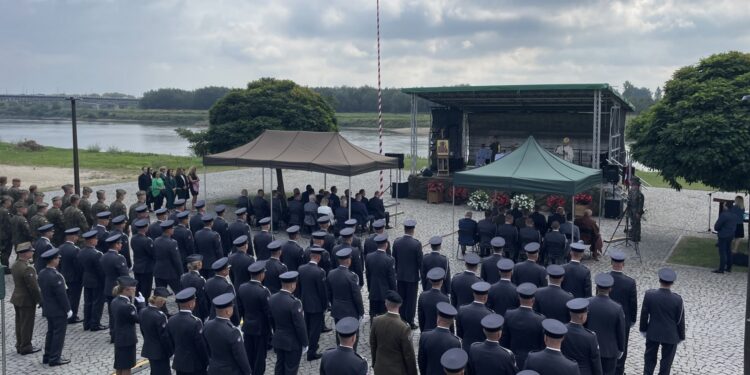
<point>60,98</point>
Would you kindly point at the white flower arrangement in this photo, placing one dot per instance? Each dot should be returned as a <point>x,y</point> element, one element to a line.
<point>523,201</point>
<point>479,201</point>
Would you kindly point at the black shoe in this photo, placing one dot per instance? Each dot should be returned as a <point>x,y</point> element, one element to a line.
<point>314,357</point>
<point>62,361</point>
<point>74,320</point>
<point>327,329</point>
<point>98,328</point>
<point>413,326</point>
<point>717,271</point>
<point>33,350</point>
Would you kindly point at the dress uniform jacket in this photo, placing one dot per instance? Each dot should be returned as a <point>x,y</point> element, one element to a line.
<point>624,292</point>
<point>342,360</point>
<point>551,362</point>
<point>391,347</point>
<point>240,228</point>
<point>288,322</point>
<point>529,272</point>
<point>581,346</point>
<point>143,254</point>
<point>185,242</point>
<point>461,292</point>
<point>239,261</point>
<point>527,235</point>
<point>292,255</point>
<point>195,280</point>
<point>663,316</point>
<point>190,351</point>
<point>215,287</point>
<point>469,323</point>
<point>196,222</point>
<point>502,297</point>
<point>554,247</point>
<point>358,263</point>
<point>125,250</point>
<point>221,227</point>
<point>371,246</point>
<point>432,345</point>
<point>208,244</point>
<point>154,230</point>
<point>93,281</point>
<point>69,267</point>
<point>490,273</point>
<point>260,244</point>
<point>381,275</point>
<point>55,307</point>
<point>550,301</point>
<point>344,294</point>
<point>254,297</point>
<point>156,342</point>
<point>227,350</point>
<point>26,292</point>
<point>427,308</point>
<point>407,254</point>
<point>431,260</point>
<point>40,245</point>
<point>607,319</point>
<point>113,265</point>
<point>489,358</point>
<point>312,287</point>
<point>509,233</point>
<point>101,236</point>
<point>168,265</point>
<point>577,280</point>
<point>274,268</point>
<point>522,333</point>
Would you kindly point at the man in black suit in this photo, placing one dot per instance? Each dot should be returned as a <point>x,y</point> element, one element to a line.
<point>256,323</point>
<point>432,260</point>
<point>289,333</point>
<point>208,244</point>
<point>528,234</point>
<point>314,296</point>
<point>274,267</point>
<point>381,276</point>
<point>509,233</point>
<point>72,271</point>
<point>662,323</point>
<point>407,254</point>
<point>558,216</point>
<point>377,209</point>
<point>488,357</point>
<point>292,253</point>
<point>607,320</point>
<point>550,300</point>
<point>468,234</point>
<point>470,315</point>
<point>529,271</point>
<point>221,227</point>
<point>555,244</point>
<point>550,361</point>
<point>540,221</point>
<point>577,279</point>
<point>430,298</point>
<point>55,307</point>
<point>580,344</point>
<point>486,230</point>
<point>196,221</point>
<point>261,208</point>
<point>490,273</point>
<point>184,237</point>
<point>503,296</point>
<point>522,331</point>
<point>144,184</point>
<point>624,292</point>
<point>435,342</point>
<point>334,200</point>
<point>262,239</point>
<point>359,210</point>
<point>143,258</point>
<point>461,283</point>
<point>295,210</point>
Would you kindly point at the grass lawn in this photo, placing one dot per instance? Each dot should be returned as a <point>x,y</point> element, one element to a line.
<point>701,252</point>
<point>370,119</point>
<point>655,180</point>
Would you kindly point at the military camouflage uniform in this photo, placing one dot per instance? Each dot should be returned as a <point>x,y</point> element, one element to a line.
<point>73,217</point>
<point>6,235</point>
<point>37,221</point>
<point>55,217</point>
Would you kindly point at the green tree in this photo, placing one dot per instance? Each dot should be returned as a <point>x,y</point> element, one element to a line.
<point>700,129</point>
<point>640,97</point>
<point>267,103</point>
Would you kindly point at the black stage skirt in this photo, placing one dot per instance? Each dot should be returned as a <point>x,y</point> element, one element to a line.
<point>124,357</point>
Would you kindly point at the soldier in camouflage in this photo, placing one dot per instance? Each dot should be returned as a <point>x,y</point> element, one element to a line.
<point>118,208</point>
<point>38,219</point>
<point>85,205</point>
<point>34,206</point>
<point>6,237</point>
<point>19,228</point>
<point>73,217</point>
<point>99,206</point>
<point>67,193</point>
<point>55,217</point>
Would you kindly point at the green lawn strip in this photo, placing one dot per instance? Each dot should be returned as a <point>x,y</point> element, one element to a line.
<point>654,179</point>
<point>701,252</point>
<point>370,120</point>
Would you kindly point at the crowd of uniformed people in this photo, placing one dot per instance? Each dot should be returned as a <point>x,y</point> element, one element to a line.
<point>242,293</point>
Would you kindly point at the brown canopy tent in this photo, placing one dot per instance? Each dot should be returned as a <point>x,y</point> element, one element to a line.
<point>324,152</point>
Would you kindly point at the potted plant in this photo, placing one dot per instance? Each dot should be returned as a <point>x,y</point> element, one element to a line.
<point>500,199</point>
<point>435,190</point>
<point>523,201</point>
<point>460,195</point>
<point>555,201</point>
<point>479,201</point>
<point>583,202</point>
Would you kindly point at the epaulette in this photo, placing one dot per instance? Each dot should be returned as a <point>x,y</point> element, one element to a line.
<point>589,331</point>
<point>509,351</point>
<point>360,357</point>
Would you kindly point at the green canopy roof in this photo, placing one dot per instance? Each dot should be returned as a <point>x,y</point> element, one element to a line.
<point>531,169</point>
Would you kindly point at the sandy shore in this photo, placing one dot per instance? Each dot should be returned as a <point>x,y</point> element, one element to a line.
<point>52,178</point>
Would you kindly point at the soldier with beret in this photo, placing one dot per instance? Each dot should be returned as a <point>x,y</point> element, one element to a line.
<point>319,239</point>
<point>157,346</point>
<point>580,343</point>
<point>434,259</point>
<point>73,217</point>
<point>662,323</point>
<point>469,320</point>
<point>167,260</point>
<point>314,297</point>
<point>357,258</point>
<point>503,296</point>
<point>262,239</point>
<point>427,312</point>
<point>490,273</point>
<point>522,331</point>
<point>292,254</point>
<point>125,307</point>
<point>624,292</point>
<point>42,244</point>
<point>193,279</point>
<point>239,261</point>
<point>454,361</point>
<point>274,267</point>
<point>143,258</point>
<point>72,270</point>
<point>407,255</point>
<point>461,292</point>
<point>220,284</point>
<point>390,339</point>
<point>184,237</point>
<point>102,223</point>
<point>433,343</point>
<point>551,361</point>
<point>607,320</point>
<point>381,276</point>
<point>550,300</point>
<point>253,300</point>
<point>529,271</point>
<point>196,221</point>
<point>208,244</point>
<point>186,335</point>
<point>289,333</point>
<point>221,227</point>
<point>25,298</point>
<point>370,246</point>
<point>114,266</point>
<point>488,357</point>
<point>55,307</point>
<point>89,259</point>
<point>577,278</point>
<point>344,360</point>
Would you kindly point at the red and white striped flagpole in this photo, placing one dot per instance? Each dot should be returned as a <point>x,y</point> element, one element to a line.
<point>380,97</point>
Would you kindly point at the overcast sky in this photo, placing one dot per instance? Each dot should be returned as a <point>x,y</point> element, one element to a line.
<point>130,46</point>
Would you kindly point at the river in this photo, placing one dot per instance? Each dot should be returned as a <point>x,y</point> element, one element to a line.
<point>160,138</point>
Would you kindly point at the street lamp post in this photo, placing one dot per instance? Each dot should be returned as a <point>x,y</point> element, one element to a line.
<point>746,101</point>
<point>76,174</point>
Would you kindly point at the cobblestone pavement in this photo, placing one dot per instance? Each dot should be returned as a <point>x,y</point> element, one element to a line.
<point>714,303</point>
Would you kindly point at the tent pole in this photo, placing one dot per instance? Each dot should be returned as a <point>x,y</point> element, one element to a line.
<point>398,205</point>
<point>270,190</point>
<point>350,198</point>
<point>453,219</point>
<point>205,182</point>
<point>601,209</point>
<point>325,181</point>
<point>262,178</point>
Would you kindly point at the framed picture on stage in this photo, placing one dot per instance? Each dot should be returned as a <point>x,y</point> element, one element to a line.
<point>442,148</point>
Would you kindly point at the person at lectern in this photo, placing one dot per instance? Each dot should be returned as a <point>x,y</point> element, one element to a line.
<point>565,150</point>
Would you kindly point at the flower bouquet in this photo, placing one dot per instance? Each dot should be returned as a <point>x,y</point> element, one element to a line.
<point>555,201</point>
<point>479,201</point>
<point>583,199</point>
<point>500,199</point>
<point>460,195</point>
<point>435,190</point>
<point>523,201</point>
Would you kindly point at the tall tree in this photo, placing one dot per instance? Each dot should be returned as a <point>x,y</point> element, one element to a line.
<point>640,97</point>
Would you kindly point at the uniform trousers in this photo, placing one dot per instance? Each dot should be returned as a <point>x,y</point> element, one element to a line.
<point>55,339</point>
<point>6,245</point>
<point>160,366</point>
<point>109,299</point>
<point>74,296</point>
<point>256,349</point>
<point>24,327</point>
<point>93,306</point>
<point>314,323</point>
<point>620,369</point>
<point>287,361</point>
<point>608,365</point>
<point>408,292</point>
<point>145,283</point>
<point>377,307</point>
<point>667,356</point>
<point>173,284</point>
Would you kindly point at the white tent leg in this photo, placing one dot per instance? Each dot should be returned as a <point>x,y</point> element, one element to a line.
<point>270,190</point>
<point>453,220</point>
<point>350,198</point>
<point>205,182</point>
<point>325,182</point>
<point>398,206</point>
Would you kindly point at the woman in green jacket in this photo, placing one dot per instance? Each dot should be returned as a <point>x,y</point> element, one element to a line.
<point>157,190</point>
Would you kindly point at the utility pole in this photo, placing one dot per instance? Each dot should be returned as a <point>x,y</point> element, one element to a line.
<point>76,174</point>
<point>746,101</point>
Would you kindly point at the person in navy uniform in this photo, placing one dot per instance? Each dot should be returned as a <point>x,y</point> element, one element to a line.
<point>551,361</point>
<point>407,254</point>
<point>325,240</point>
<point>344,360</point>
<point>220,284</point>
<point>488,357</point>
<point>370,246</point>
<point>157,346</point>
<point>624,292</point>
<point>262,239</point>
<point>468,322</point>
<point>503,296</point>
<point>434,259</point>
<point>577,278</point>
<point>274,267</point>
<point>529,271</point>
<point>143,258</point>
<point>580,343</point>
<point>118,227</point>
<point>184,237</point>
<point>461,283</point>
<point>55,308</point>
<point>193,279</point>
<point>467,232</point>
<point>356,242</point>
<point>607,319</point>
<point>555,245</point>
<point>196,221</point>
<point>509,233</point>
<point>154,229</point>
<point>343,288</point>
<point>93,282</point>
<point>179,207</point>
<point>662,323</point>
<point>168,264</point>
<point>252,299</point>
<point>102,222</point>
<point>125,316</point>
<point>114,266</point>
<point>427,312</point>
<point>221,227</point>
<point>141,213</point>
<point>42,244</point>
<point>239,261</point>
<point>522,331</point>
<point>489,272</point>
<point>186,335</point>
<point>486,231</point>
<point>314,297</point>
<point>239,227</point>
<point>289,333</point>
<point>357,261</point>
<point>435,342</point>
<point>454,361</point>
<point>550,300</point>
<point>224,340</point>
<point>72,271</point>
<point>381,276</point>
<point>208,244</point>
<point>292,254</point>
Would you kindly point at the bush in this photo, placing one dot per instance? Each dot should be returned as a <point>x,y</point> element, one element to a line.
<point>94,148</point>
<point>29,145</point>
